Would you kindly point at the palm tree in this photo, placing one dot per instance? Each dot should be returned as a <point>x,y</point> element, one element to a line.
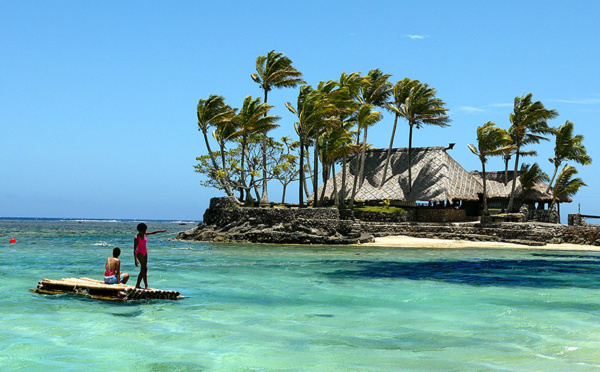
<point>373,89</point>
<point>565,185</point>
<point>310,110</point>
<point>339,146</point>
<point>530,175</point>
<point>253,118</point>
<point>400,93</point>
<point>491,141</point>
<point>347,105</point>
<point>225,132</point>
<point>365,118</point>
<point>568,147</point>
<point>273,71</point>
<point>507,154</point>
<point>528,124</point>
<point>214,112</point>
<point>420,107</point>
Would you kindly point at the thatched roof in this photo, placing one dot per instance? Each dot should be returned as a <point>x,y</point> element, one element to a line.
<point>497,189</point>
<point>435,175</point>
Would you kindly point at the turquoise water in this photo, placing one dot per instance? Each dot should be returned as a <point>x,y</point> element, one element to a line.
<point>293,308</point>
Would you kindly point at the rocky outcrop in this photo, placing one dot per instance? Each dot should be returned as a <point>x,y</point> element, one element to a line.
<point>224,221</point>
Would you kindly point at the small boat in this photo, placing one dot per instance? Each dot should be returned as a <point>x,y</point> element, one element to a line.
<point>101,291</point>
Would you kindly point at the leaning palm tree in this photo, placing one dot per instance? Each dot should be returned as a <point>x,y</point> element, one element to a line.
<point>214,112</point>
<point>347,104</point>
<point>400,93</point>
<point>224,133</point>
<point>252,118</point>
<point>565,186</point>
<point>507,154</point>
<point>528,125</point>
<point>568,147</point>
<point>274,70</point>
<point>341,146</point>
<point>530,175</point>
<point>374,89</point>
<point>310,110</point>
<point>419,107</point>
<point>329,113</point>
<point>491,141</point>
<point>365,118</point>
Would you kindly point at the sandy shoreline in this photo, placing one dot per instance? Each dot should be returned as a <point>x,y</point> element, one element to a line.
<point>402,241</point>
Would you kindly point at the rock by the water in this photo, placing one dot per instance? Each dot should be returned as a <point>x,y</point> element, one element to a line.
<point>225,221</point>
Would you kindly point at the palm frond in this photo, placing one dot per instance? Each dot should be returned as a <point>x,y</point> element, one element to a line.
<point>566,185</point>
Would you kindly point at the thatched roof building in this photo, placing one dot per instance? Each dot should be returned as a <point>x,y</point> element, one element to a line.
<point>436,177</point>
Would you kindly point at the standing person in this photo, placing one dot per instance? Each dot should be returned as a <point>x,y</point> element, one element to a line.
<point>140,253</point>
<point>112,269</point>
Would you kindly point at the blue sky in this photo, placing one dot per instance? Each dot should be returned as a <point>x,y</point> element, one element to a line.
<point>98,99</point>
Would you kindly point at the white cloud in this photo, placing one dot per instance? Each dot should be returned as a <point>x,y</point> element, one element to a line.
<point>469,109</point>
<point>583,101</point>
<point>417,37</point>
<point>500,105</point>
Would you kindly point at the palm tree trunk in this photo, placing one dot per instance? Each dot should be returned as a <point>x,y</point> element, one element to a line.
<point>343,187</point>
<point>389,153</point>
<point>506,159</point>
<point>485,205</point>
<point>316,174</point>
<point>558,211</point>
<point>242,175</point>
<point>553,175</point>
<point>302,178</point>
<point>336,201</point>
<point>264,198</point>
<point>410,158</point>
<point>363,157</point>
<point>514,183</point>
<point>325,179</point>
<point>356,171</point>
<point>310,173</point>
<point>224,163</point>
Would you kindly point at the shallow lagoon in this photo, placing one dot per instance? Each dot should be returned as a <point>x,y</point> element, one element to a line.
<point>261,307</point>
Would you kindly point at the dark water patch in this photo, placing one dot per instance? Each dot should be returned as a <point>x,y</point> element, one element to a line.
<point>558,255</point>
<point>536,273</point>
<point>171,367</point>
<point>132,314</point>
<point>321,316</point>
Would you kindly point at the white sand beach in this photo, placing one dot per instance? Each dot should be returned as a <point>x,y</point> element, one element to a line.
<point>402,241</point>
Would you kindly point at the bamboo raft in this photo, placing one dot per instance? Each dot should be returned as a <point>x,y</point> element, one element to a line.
<point>99,290</point>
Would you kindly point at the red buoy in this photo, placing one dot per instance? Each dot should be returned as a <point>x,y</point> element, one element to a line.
<point>13,240</point>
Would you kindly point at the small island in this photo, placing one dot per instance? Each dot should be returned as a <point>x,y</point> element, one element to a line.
<point>413,191</point>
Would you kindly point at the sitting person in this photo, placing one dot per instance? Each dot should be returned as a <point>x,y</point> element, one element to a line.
<point>112,274</point>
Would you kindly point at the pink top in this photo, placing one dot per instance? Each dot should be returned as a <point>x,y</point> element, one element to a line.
<point>141,245</point>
